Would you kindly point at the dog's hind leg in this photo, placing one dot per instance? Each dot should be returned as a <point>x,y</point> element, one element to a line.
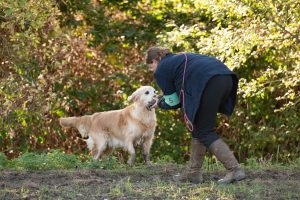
<point>92,147</point>
<point>94,152</point>
<point>99,147</point>
<point>90,143</point>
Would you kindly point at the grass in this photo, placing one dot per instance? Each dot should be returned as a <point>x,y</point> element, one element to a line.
<point>56,160</point>
<point>56,175</point>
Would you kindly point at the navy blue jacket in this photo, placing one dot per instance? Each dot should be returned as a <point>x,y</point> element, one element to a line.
<point>200,68</point>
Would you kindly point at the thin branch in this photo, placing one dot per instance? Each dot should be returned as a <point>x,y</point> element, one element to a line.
<point>272,18</point>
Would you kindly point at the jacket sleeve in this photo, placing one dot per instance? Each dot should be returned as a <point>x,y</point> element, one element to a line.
<point>164,76</point>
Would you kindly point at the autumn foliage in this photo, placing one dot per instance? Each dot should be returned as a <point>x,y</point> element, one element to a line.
<point>65,58</point>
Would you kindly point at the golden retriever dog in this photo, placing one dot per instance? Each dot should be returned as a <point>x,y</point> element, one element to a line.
<point>124,128</point>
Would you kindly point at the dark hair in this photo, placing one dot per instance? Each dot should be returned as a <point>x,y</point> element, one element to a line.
<point>156,53</point>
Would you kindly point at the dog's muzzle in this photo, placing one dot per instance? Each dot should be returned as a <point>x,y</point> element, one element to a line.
<point>150,104</point>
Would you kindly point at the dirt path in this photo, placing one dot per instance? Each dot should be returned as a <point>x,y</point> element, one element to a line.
<point>144,183</point>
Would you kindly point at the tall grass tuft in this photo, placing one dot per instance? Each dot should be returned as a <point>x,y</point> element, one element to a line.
<point>3,160</point>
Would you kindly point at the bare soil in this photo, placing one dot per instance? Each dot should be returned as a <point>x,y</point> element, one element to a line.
<point>144,183</point>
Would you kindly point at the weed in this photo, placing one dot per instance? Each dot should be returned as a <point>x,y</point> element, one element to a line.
<point>3,160</point>
<point>52,160</point>
<point>106,163</point>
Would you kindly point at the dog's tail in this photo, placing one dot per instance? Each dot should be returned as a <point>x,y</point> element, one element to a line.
<point>68,121</point>
<point>81,123</point>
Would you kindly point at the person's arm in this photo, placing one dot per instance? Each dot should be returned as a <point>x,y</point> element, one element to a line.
<point>164,76</point>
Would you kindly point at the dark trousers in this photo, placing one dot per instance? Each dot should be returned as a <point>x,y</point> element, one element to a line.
<point>216,91</point>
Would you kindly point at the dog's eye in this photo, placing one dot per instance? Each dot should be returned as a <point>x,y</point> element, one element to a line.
<point>147,92</point>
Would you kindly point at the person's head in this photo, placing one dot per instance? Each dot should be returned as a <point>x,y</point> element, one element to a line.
<point>154,55</point>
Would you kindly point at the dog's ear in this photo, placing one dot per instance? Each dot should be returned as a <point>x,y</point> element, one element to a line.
<point>133,97</point>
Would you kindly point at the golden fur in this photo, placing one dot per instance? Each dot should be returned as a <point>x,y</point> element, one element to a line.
<point>119,128</point>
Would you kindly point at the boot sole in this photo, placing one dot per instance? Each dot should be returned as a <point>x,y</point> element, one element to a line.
<point>233,180</point>
<point>240,179</point>
<point>197,182</point>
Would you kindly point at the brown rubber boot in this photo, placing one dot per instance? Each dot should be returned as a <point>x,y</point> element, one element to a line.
<point>192,173</point>
<point>220,149</point>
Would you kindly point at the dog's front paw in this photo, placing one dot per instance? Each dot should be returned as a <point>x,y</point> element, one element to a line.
<point>131,160</point>
<point>130,164</point>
